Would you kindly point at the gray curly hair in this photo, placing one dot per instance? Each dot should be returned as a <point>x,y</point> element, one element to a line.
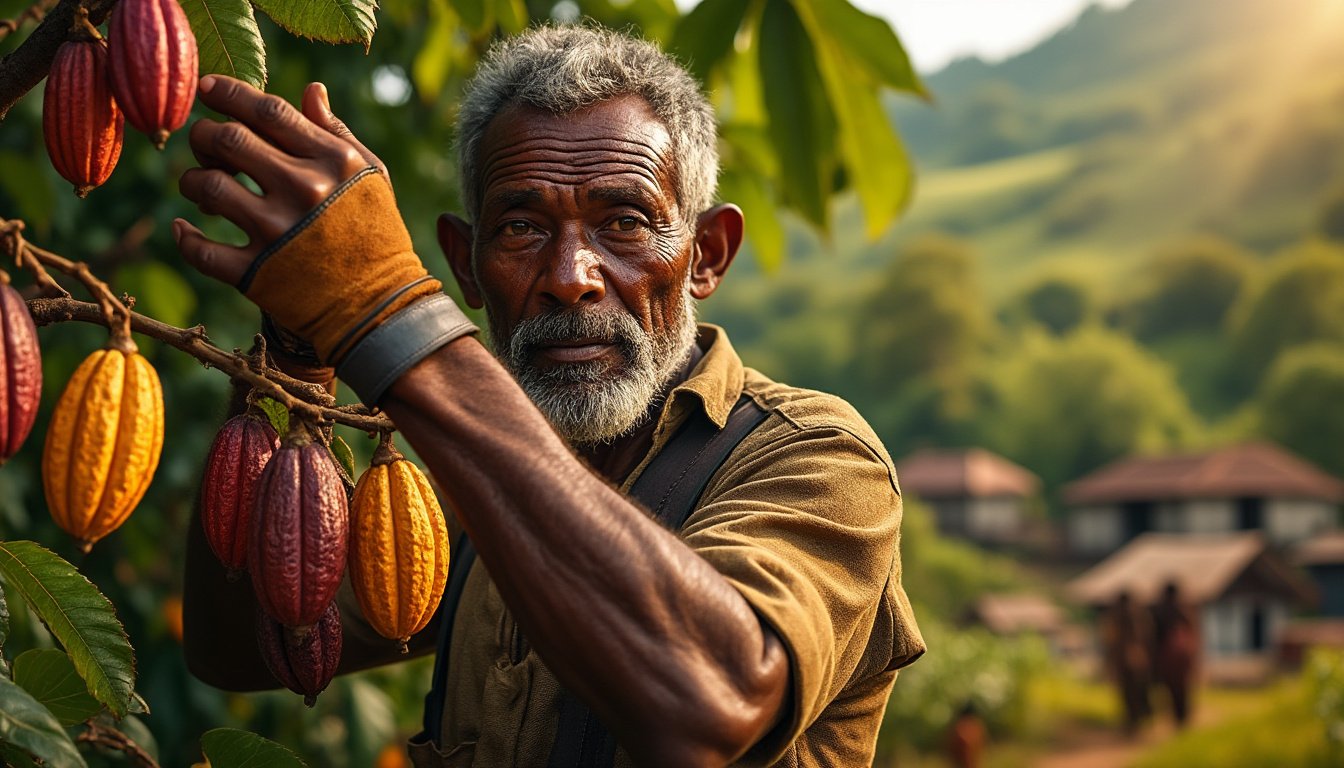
<point>563,69</point>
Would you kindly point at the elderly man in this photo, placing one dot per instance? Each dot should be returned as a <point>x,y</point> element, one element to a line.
<point>767,629</point>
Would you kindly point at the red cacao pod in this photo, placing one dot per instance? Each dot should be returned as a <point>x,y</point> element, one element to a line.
<point>153,65</point>
<point>300,526</point>
<point>20,372</point>
<point>229,491</point>
<point>304,665</point>
<point>81,122</point>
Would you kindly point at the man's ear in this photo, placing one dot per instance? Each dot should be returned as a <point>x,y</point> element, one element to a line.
<point>718,235</point>
<point>455,239</point>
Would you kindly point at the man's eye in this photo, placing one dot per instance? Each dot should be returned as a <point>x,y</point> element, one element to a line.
<point>517,227</point>
<point>625,224</point>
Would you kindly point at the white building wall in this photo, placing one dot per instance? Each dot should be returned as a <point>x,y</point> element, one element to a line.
<point>1209,516</point>
<point>1095,530</point>
<point>994,519</point>
<point>1292,520</point>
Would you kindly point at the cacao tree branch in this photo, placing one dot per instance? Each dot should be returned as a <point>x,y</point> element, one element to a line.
<point>299,397</point>
<point>35,12</point>
<point>118,316</point>
<point>111,738</point>
<point>25,67</point>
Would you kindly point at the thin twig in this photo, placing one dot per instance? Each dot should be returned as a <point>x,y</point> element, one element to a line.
<point>297,396</point>
<point>11,244</point>
<point>111,738</point>
<point>117,315</point>
<point>35,12</point>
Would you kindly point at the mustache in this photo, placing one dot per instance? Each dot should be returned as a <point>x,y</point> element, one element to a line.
<point>609,326</point>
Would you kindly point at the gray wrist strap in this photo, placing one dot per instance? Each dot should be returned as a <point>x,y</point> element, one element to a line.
<point>400,342</point>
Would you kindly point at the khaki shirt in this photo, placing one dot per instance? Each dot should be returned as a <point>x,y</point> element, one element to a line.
<point>803,518</point>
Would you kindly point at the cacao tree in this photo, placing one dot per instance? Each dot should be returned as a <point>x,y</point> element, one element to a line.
<point>793,79</point>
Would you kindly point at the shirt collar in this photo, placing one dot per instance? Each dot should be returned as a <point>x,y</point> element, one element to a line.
<point>715,384</point>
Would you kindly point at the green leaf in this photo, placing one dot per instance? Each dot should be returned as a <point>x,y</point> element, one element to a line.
<point>276,413</point>
<point>764,232</point>
<point>4,631</point>
<point>512,15</point>
<point>27,185</point>
<point>232,748</point>
<point>13,757</point>
<point>344,456</point>
<point>48,675</point>
<point>869,41</point>
<point>476,15</point>
<point>331,21</point>
<point>228,39</point>
<point>82,620</point>
<point>25,723</point>
<point>434,62</point>
<point>875,160</point>
<point>159,291</point>
<point>705,36</point>
<point>801,128</point>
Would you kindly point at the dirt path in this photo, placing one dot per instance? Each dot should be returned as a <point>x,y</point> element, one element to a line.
<point>1102,749</point>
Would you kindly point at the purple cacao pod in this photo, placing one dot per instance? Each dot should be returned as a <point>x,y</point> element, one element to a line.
<point>237,458</point>
<point>153,65</point>
<point>304,665</point>
<point>300,527</point>
<point>20,372</point>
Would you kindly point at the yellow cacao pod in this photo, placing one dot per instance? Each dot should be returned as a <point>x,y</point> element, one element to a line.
<point>103,444</point>
<point>398,546</point>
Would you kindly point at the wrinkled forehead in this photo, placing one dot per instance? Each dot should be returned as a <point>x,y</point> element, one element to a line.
<point>619,137</point>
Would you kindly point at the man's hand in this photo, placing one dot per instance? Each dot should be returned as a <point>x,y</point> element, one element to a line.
<point>328,256</point>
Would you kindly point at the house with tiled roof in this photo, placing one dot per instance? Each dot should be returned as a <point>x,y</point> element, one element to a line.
<point>1249,487</point>
<point>973,493</point>
<point>1244,591</point>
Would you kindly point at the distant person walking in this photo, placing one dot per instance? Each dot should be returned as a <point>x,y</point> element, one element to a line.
<point>966,739</point>
<point>1176,650</point>
<point>1127,632</point>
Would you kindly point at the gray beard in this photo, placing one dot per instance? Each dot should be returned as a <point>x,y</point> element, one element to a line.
<point>595,402</point>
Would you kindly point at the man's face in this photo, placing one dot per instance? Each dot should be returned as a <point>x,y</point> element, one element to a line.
<point>582,256</point>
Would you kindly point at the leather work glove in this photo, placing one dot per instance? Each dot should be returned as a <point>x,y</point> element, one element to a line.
<point>329,259</point>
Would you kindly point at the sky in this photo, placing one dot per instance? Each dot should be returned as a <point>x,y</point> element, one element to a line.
<point>935,32</point>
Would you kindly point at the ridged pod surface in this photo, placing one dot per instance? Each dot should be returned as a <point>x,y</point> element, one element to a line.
<point>81,122</point>
<point>229,491</point>
<point>297,548</point>
<point>103,444</point>
<point>303,665</point>
<point>398,547</point>
<point>153,65</point>
<point>20,372</point>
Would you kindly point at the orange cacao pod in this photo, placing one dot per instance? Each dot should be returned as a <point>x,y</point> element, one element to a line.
<point>103,443</point>
<point>304,665</point>
<point>398,546</point>
<point>20,372</point>
<point>153,65</point>
<point>81,122</point>
<point>229,491</point>
<point>297,547</point>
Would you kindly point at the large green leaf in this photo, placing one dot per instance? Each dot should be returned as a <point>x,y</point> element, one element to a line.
<point>869,41</point>
<point>49,676</point>
<point>331,21</point>
<point>764,232</point>
<point>875,161</point>
<point>25,723</point>
<point>228,39</point>
<point>82,620</point>
<point>705,35</point>
<point>476,15</point>
<point>512,16</point>
<point>232,748</point>
<point>801,126</point>
<point>434,62</point>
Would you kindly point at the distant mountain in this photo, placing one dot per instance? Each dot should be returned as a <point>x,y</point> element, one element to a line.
<point>1134,125</point>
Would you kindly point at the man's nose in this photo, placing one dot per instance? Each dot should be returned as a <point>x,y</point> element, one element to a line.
<point>575,273</point>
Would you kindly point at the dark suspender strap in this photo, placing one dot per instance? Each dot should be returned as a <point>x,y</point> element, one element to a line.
<point>670,487</point>
<point>463,556</point>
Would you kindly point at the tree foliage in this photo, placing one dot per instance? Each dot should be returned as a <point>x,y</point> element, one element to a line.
<point>1189,285</point>
<point>1299,404</point>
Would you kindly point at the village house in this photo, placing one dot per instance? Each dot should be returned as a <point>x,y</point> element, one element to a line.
<point>1249,487</point>
<point>973,493</point>
<point>1245,592</point>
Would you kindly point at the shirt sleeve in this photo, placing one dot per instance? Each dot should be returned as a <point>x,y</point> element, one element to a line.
<point>806,525</point>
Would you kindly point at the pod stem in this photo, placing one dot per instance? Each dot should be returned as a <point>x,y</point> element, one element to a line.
<point>386,452</point>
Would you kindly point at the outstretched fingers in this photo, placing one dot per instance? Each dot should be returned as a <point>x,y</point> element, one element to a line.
<point>225,263</point>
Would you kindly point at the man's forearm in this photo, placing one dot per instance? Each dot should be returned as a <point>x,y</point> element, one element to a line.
<point>665,649</point>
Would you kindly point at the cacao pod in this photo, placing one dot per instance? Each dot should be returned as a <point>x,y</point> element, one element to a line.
<point>398,547</point>
<point>103,443</point>
<point>304,665</point>
<point>20,372</point>
<point>81,122</point>
<point>153,65</point>
<point>229,491</point>
<point>297,547</point>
